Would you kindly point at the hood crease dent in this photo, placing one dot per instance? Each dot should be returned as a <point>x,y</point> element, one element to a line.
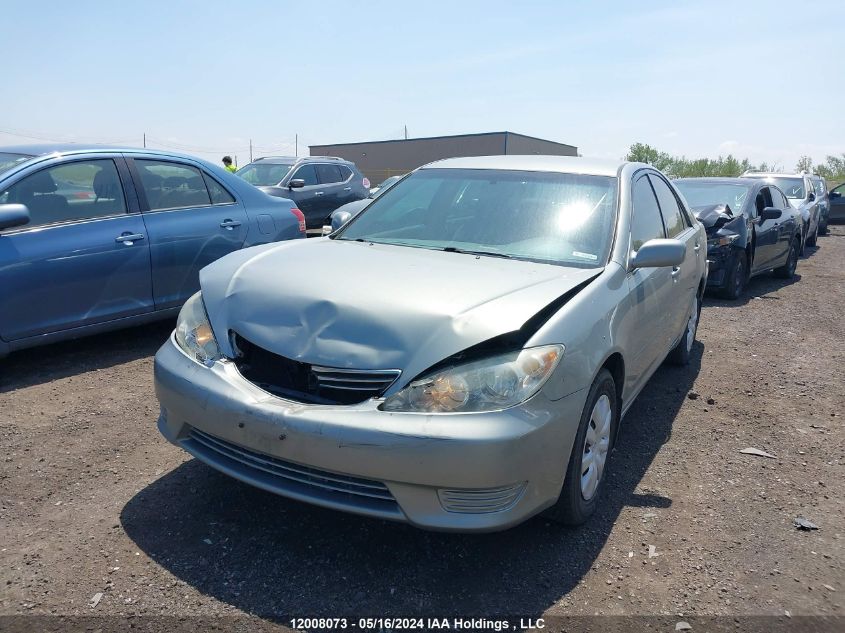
<point>357,305</point>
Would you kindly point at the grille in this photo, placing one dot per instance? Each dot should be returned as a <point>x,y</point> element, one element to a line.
<point>312,384</point>
<point>480,501</point>
<point>289,479</point>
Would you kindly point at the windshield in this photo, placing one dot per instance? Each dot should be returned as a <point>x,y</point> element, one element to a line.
<point>702,194</point>
<point>7,160</point>
<point>264,174</point>
<point>545,217</point>
<point>792,187</point>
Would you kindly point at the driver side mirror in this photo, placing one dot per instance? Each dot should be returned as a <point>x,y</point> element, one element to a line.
<point>659,253</point>
<point>296,183</point>
<point>835,194</point>
<point>770,213</point>
<point>12,215</point>
<point>339,219</point>
<point>811,197</point>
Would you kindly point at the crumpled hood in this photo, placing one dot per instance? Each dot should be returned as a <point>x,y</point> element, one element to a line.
<point>355,305</point>
<point>713,214</point>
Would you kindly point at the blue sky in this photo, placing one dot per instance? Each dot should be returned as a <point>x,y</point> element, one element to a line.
<point>759,79</point>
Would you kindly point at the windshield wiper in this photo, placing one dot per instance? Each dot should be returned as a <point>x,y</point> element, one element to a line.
<point>454,249</point>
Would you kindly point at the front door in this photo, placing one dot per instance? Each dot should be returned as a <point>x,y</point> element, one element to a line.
<point>82,259</point>
<point>191,219</point>
<point>650,289</point>
<point>308,198</point>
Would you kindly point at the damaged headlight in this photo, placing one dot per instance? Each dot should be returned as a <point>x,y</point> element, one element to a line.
<point>721,240</point>
<point>490,384</point>
<point>194,333</point>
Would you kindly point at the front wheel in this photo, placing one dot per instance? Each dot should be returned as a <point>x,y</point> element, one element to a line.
<point>787,271</point>
<point>682,352</point>
<point>823,228</point>
<point>736,278</point>
<point>582,486</point>
<point>811,241</point>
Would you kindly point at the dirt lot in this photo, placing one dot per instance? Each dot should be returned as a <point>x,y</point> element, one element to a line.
<point>94,500</point>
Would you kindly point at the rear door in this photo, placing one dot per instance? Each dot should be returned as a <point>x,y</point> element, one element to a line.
<point>191,219</point>
<point>84,257</point>
<point>686,277</point>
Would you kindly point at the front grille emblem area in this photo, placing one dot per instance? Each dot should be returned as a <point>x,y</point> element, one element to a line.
<point>313,384</point>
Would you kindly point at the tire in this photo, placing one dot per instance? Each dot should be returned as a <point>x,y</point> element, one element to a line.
<point>581,491</point>
<point>787,271</point>
<point>823,228</point>
<point>681,354</point>
<point>811,241</point>
<point>736,278</point>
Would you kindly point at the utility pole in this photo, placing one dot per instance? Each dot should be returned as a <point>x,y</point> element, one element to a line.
<point>250,150</point>
<point>296,145</point>
<point>406,132</point>
<point>145,139</point>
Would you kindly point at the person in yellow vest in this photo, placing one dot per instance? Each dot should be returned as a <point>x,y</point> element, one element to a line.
<point>227,163</point>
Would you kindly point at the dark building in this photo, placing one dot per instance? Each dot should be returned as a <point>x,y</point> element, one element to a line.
<point>381,159</point>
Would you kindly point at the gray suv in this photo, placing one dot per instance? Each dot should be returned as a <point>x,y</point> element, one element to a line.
<point>317,184</point>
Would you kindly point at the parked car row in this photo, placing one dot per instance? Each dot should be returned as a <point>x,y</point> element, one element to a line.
<point>102,238</point>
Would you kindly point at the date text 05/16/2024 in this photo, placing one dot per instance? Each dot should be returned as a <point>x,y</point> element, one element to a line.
<point>423,624</point>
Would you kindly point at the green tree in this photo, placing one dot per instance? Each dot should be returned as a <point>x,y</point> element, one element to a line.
<point>805,163</point>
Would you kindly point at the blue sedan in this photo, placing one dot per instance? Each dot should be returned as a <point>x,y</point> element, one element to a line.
<point>94,238</point>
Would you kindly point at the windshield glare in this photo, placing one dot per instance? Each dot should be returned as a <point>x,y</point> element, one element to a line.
<point>792,187</point>
<point>264,174</point>
<point>702,194</point>
<point>8,160</point>
<point>552,218</point>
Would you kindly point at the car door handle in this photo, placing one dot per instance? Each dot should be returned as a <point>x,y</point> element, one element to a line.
<point>128,238</point>
<point>697,247</point>
<point>676,270</point>
<point>319,193</point>
<point>347,188</point>
<point>229,224</point>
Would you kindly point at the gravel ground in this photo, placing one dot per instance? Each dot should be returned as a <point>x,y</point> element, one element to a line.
<point>93,501</point>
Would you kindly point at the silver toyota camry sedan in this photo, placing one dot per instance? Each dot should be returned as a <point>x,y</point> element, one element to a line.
<point>466,354</point>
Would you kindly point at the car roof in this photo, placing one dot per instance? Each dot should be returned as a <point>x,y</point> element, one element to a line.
<point>560,164</point>
<point>727,180</point>
<point>772,174</point>
<point>44,149</point>
<point>289,160</point>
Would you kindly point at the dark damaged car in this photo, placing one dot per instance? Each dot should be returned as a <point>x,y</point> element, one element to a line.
<point>464,358</point>
<point>751,229</point>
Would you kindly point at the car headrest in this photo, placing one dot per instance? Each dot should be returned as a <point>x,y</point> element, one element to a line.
<point>40,182</point>
<point>105,185</point>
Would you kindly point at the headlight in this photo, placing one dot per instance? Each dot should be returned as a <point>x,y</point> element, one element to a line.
<point>494,383</point>
<point>722,240</point>
<point>194,333</point>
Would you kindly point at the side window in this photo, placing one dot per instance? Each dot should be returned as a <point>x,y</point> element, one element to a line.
<point>646,223</point>
<point>768,200</point>
<point>673,217</point>
<point>218,194</point>
<point>328,174</point>
<point>778,199</point>
<point>306,173</point>
<point>345,172</point>
<point>171,185</point>
<point>72,191</point>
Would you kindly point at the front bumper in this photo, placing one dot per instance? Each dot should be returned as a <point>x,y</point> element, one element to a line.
<point>719,260</point>
<point>492,470</point>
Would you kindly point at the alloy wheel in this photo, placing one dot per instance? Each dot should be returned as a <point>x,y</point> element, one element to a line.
<point>596,446</point>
